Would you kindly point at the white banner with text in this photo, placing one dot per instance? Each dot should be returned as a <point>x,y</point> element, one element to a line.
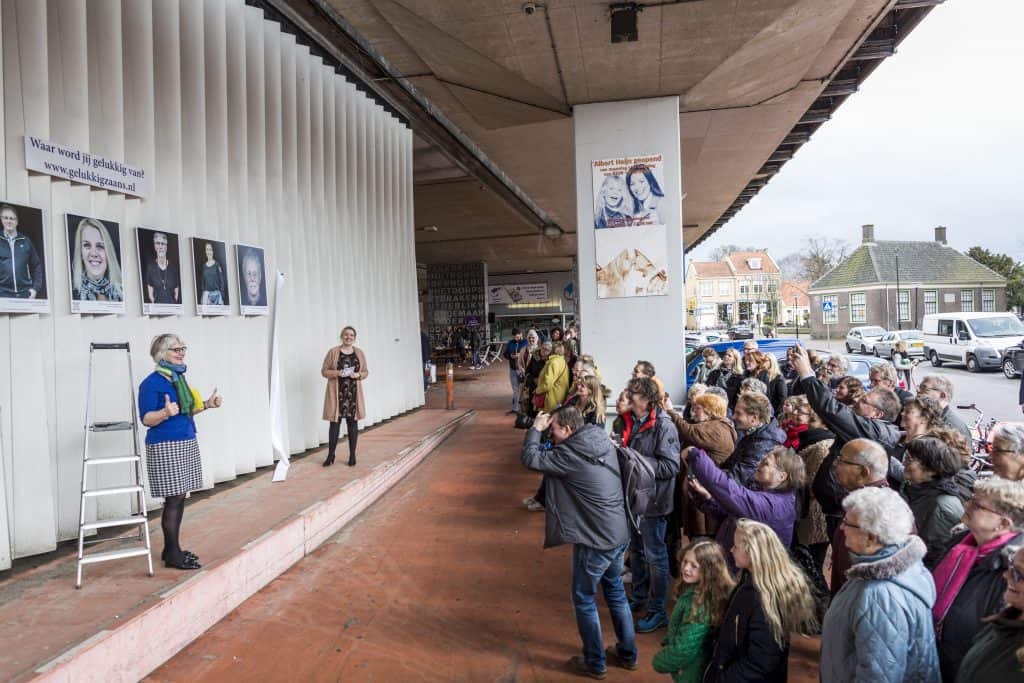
<point>52,158</point>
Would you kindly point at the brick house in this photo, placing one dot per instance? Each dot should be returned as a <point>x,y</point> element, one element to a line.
<point>743,287</point>
<point>796,302</point>
<point>932,278</point>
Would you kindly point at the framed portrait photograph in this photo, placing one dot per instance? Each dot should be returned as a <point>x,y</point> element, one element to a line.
<point>252,280</point>
<point>23,260</point>
<point>159,271</point>
<point>94,263</point>
<point>210,265</point>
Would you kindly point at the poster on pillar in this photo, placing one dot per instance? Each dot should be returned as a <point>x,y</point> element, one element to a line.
<point>252,280</point>
<point>630,236</point>
<point>94,263</point>
<point>159,271</point>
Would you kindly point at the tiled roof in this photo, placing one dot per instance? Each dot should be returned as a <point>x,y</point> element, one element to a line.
<point>924,262</point>
<point>711,268</point>
<point>739,262</point>
<point>797,289</point>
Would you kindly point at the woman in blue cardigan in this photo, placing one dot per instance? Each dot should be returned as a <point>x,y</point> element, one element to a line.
<point>168,406</point>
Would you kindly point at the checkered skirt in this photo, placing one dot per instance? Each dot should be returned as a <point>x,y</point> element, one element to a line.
<point>174,467</point>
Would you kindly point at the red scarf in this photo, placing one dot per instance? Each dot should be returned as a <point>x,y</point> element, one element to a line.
<point>793,432</point>
<point>630,421</point>
<point>951,574</point>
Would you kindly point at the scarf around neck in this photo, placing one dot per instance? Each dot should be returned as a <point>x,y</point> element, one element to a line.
<point>189,401</point>
<point>92,290</point>
<point>951,574</point>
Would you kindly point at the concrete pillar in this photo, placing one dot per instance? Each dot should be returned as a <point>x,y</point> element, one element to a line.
<point>631,310</point>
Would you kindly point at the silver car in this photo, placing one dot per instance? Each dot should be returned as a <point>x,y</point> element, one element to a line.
<point>863,339</point>
<point>886,346</point>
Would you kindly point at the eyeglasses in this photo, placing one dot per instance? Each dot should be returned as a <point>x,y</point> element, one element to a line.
<point>865,401</point>
<point>178,349</point>
<point>850,463</point>
<point>971,503</point>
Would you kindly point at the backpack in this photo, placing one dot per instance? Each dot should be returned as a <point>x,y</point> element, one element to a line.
<point>639,486</point>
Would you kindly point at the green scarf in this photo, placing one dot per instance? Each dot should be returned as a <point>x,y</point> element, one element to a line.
<point>189,401</point>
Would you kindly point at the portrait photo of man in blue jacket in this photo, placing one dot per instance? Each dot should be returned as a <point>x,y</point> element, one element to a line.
<point>22,270</point>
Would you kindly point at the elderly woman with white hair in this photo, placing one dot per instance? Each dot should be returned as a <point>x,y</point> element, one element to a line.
<point>168,406</point>
<point>879,626</point>
<point>1008,450</point>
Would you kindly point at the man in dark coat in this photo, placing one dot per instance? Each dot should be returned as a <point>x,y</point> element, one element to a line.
<point>941,389</point>
<point>585,507</point>
<point>761,435</point>
<point>650,432</point>
<point>511,354</point>
<point>871,417</point>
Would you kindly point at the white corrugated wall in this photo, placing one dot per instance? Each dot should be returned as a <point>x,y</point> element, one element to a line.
<point>246,137</point>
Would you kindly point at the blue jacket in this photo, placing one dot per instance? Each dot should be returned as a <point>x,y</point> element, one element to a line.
<point>20,266</point>
<point>750,451</point>
<point>879,626</point>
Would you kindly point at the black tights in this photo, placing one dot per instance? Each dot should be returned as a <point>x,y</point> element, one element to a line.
<point>170,522</point>
<point>352,430</point>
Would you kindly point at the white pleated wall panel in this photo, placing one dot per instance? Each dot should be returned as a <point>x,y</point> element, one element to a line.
<point>245,137</point>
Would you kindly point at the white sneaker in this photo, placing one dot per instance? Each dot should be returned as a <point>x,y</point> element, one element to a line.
<point>535,507</point>
<point>528,500</point>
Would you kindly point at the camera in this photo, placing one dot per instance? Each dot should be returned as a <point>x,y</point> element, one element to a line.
<point>529,7</point>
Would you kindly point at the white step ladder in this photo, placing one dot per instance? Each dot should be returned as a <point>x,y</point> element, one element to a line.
<point>134,487</point>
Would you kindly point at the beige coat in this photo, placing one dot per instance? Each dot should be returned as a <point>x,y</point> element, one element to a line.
<point>331,372</point>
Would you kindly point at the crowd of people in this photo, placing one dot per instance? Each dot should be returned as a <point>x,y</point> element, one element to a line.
<point>787,499</point>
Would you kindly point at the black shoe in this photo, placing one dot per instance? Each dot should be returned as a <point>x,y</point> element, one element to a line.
<point>187,553</point>
<point>183,563</point>
<point>612,656</point>
<point>329,461</point>
<point>351,461</point>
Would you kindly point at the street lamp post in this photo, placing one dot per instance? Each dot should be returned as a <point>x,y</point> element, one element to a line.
<point>796,314</point>
<point>899,320</point>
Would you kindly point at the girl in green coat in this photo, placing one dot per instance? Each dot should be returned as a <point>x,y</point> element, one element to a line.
<point>702,594</point>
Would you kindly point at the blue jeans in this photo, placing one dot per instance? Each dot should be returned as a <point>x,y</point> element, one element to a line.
<point>590,567</point>
<point>476,358</point>
<point>513,377</point>
<point>648,560</point>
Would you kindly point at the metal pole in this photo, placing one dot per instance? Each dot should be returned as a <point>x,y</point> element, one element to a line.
<point>796,313</point>
<point>899,320</point>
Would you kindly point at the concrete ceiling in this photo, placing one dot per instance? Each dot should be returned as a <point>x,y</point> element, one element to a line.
<point>746,71</point>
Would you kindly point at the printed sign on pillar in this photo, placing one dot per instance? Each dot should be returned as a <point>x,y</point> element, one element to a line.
<point>629,233</point>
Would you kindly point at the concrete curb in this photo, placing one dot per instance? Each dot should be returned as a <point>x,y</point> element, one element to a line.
<point>186,611</point>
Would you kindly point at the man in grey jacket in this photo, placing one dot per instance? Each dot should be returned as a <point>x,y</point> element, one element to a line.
<point>585,506</point>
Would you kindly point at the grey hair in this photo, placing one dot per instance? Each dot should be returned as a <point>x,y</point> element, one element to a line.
<point>696,389</point>
<point>753,384</point>
<point>1010,434</point>
<point>718,391</point>
<point>882,513</point>
<point>158,347</point>
<point>1006,496</point>
<point>843,362</point>
<point>887,371</point>
<point>939,382</point>
<point>547,344</point>
<point>868,454</point>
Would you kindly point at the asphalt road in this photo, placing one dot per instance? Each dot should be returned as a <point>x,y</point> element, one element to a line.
<point>995,395</point>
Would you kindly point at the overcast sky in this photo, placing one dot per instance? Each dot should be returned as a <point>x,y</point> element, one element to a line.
<point>935,136</point>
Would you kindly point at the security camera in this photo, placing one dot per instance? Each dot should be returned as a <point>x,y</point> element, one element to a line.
<point>529,7</point>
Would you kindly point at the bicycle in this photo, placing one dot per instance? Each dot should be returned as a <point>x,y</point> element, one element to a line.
<point>981,445</point>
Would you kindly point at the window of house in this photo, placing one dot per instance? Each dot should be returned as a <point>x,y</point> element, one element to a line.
<point>858,308</point>
<point>830,317</point>
<point>744,287</point>
<point>967,300</point>
<point>931,301</point>
<point>904,305</point>
<point>754,263</point>
<point>706,288</point>
<point>988,300</point>
<point>758,287</point>
<point>724,288</point>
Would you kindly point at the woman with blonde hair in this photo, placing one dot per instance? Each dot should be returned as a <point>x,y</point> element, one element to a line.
<point>768,371</point>
<point>589,399</point>
<point>727,374</point>
<point>849,390</point>
<point>772,600</point>
<point>95,271</point>
<point>702,593</point>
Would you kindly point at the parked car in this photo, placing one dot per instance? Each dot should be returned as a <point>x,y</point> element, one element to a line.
<point>863,338</point>
<point>702,338</point>
<point>978,340</point>
<point>1013,361</point>
<point>886,346</point>
<point>741,332</point>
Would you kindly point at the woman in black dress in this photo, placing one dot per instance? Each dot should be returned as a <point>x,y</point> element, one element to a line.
<point>345,369</point>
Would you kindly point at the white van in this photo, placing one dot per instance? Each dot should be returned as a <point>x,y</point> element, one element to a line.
<point>977,340</point>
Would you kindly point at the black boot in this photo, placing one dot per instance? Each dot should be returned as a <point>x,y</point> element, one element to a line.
<point>352,460</point>
<point>329,461</point>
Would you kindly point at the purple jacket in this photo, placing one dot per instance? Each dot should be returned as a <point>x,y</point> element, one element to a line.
<point>731,501</point>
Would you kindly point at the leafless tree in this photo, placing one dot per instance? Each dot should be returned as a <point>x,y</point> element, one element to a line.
<point>820,254</point>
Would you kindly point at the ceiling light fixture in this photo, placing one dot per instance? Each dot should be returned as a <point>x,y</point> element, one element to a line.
<point>553,231</point>
<point>427,228</point>
<point>623,16</point>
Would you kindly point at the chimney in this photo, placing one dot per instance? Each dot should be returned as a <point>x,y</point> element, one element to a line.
<point>940,234</point>
<point>868,234</point>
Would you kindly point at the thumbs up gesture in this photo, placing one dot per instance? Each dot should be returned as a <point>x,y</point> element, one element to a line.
<point>170,407</point>
<point>215,400</point>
